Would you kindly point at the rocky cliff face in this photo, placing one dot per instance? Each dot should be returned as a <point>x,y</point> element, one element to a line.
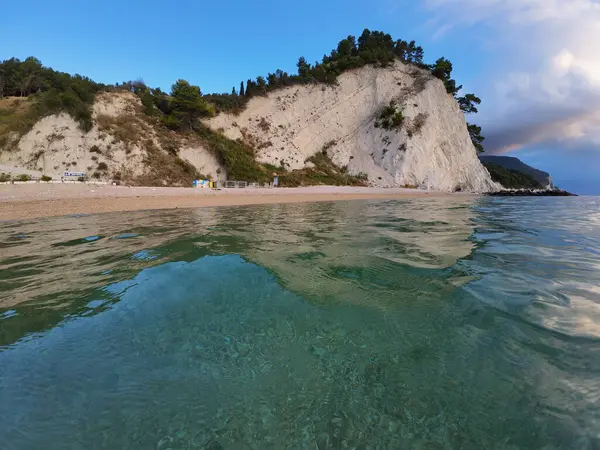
<point>124,144</point>
<point>395,125</point>
<point>431,147</point>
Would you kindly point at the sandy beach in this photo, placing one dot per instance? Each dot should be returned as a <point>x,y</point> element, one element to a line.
<point>29,201</point>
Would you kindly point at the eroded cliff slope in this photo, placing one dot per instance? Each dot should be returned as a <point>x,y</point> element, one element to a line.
<point>123,145</point>
<point>426,143</point>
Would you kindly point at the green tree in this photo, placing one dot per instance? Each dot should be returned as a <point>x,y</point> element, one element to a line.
<point>139,86</point>
<point>188,105</point>
<point>28,77</point>
<point>318,73</point>
<point>303,68</point>
<point>442,69</point>
<point>468,102</point>
<point>346,47</point>
<point>401,49</point>
<point>272,80</point>
<point>364,39</point>
<point>242,91</point>
<point>148,103</point>
<point>161,101</point>
<point>476,137</point>
<point>414,53</point>
<point>284,78</point>
<point>250,88</point>
<point>261,84</point>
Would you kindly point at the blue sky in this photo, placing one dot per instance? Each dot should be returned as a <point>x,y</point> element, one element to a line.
<point>531,82</point>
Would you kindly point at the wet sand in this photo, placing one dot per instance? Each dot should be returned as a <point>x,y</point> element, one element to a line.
<point>29,201</point>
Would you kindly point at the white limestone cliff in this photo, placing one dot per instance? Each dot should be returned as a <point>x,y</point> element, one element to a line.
<point>288,126</point>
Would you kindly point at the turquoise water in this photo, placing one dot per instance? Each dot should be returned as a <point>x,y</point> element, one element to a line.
<point>454,324</point>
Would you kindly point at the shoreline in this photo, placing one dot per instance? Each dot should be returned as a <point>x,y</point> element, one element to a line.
<point>33,201</point>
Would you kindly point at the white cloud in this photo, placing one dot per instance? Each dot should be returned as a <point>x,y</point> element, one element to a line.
<point>547,88</point>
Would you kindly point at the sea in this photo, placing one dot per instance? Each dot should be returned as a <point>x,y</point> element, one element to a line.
<point>448,323</point>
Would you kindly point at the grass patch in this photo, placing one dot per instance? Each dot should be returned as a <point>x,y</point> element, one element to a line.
<point>17,116</point>
<point>237,157</point>
<point>324,172</point>
<point>165,169</point>
<point>124,128</point>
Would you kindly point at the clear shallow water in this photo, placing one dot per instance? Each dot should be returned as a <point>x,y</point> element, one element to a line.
<point>380,324</point>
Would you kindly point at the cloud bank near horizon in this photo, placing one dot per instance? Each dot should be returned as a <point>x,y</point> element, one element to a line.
<point>544,87</point>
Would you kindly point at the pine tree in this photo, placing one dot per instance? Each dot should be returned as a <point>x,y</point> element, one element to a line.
<point>468,102</point>
<point>303,68</point>
<point>442,69</point>
<point>272,80</point>
<point>242,92</point>
<point>261,84</point>
<point>233,92</point>
<point>476,137</point>
<point>250,88</point>
<point>188,105</point>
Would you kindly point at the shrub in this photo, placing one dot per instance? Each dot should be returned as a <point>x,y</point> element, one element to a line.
<point>328,145</point>
<point>23,177</point>
<point>236,156</point>
<point>264,125</point>
<point>148,103</point>
<point>390,118</point>
<point>4,177</point>
<point>171,122</point>
<point>171,148</point>
<point>81,179</point>
<point>324,172</point>
<point>102,166</point>
<point>46,178</point>
<point>416,125</point>
<point>95,149</point>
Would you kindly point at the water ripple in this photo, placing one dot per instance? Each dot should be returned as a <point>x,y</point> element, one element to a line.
<point>451,323</point>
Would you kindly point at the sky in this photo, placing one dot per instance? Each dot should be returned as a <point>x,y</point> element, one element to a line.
<point>534,63</point>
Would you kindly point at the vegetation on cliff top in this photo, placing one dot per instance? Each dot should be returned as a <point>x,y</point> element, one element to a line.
<point>48,92</point>
<point>371,48</point>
